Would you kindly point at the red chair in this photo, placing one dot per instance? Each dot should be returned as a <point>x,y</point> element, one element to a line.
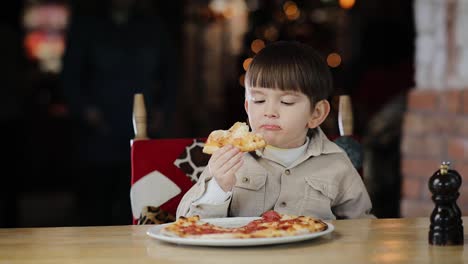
<point>164,169</point>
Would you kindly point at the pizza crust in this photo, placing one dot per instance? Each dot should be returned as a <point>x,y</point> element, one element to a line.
<point>238,135</point>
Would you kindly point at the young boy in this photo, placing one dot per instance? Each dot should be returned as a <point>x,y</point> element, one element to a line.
<point>300,172</point>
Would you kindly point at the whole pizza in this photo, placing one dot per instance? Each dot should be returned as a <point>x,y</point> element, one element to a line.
<point>271,224</point>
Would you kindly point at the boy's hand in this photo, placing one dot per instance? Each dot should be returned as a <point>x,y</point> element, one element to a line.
<point>223,165</point>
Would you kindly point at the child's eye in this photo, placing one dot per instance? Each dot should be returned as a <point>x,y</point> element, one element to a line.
<point>287,103</point>
<point>258,101</point>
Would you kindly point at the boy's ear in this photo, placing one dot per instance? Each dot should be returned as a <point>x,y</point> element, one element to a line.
<point>246,105</point>
<point>319,114</point>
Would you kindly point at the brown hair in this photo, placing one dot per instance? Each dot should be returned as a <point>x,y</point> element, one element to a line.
<point>290,66</point>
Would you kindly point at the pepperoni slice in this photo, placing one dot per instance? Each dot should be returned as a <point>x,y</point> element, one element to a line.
<point>271,216</point>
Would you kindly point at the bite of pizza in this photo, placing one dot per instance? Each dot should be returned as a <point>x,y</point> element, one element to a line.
<point>238,135</point>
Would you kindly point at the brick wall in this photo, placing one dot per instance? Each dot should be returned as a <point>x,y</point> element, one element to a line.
<point>435,129</point>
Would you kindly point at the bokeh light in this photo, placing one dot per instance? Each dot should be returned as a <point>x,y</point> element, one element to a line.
<point>271,33</point>
<point>291,10</point>
<point>241,80</point>
<point>257,45</point>
<point>333,60</point>
<point>347,4</point>
<point>246,63</point>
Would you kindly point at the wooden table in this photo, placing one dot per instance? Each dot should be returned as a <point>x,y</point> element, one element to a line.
<point>353,241</point>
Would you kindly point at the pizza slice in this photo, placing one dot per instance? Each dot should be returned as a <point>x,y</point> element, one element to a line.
<point>238,135</point>
<point>192,227</point>
<point>271,224</point>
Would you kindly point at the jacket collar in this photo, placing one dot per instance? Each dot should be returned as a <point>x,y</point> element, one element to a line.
<point>320,144</point>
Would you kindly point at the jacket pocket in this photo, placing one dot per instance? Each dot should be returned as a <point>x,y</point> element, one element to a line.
<point>251,182</point>
<point>320,188</point>
<point>248,195</point>
<point>318,198</point>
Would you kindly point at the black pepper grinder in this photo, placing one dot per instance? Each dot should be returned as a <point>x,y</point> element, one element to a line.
<point>446,223</point>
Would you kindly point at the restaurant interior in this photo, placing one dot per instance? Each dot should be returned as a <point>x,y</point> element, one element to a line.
<point>206,45</point>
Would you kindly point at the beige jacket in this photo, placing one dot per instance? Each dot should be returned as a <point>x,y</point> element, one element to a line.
<point>321,183</point>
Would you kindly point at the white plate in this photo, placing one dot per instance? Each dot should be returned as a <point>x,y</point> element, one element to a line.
<point>155,232</point>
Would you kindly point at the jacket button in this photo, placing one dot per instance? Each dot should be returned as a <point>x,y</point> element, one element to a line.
<point>282,204</point>
<point>287,172</point>
<point>245,180</point>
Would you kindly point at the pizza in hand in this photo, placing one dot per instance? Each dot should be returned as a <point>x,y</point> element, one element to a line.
<point>238,135</point>
<point>271,224</point>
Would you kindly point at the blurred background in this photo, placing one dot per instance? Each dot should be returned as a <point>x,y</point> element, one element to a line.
<point>191,56</point>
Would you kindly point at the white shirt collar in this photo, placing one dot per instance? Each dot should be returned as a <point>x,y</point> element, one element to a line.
<point>285,157</point>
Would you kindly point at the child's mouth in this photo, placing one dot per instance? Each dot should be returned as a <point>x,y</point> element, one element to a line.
<point>271,127</point>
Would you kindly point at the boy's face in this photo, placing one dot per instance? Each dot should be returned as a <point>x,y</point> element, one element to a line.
<point>282,117</point>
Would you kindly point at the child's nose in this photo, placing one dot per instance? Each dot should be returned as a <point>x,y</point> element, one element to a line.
<point>271,115</point>
<point>271,111</point>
